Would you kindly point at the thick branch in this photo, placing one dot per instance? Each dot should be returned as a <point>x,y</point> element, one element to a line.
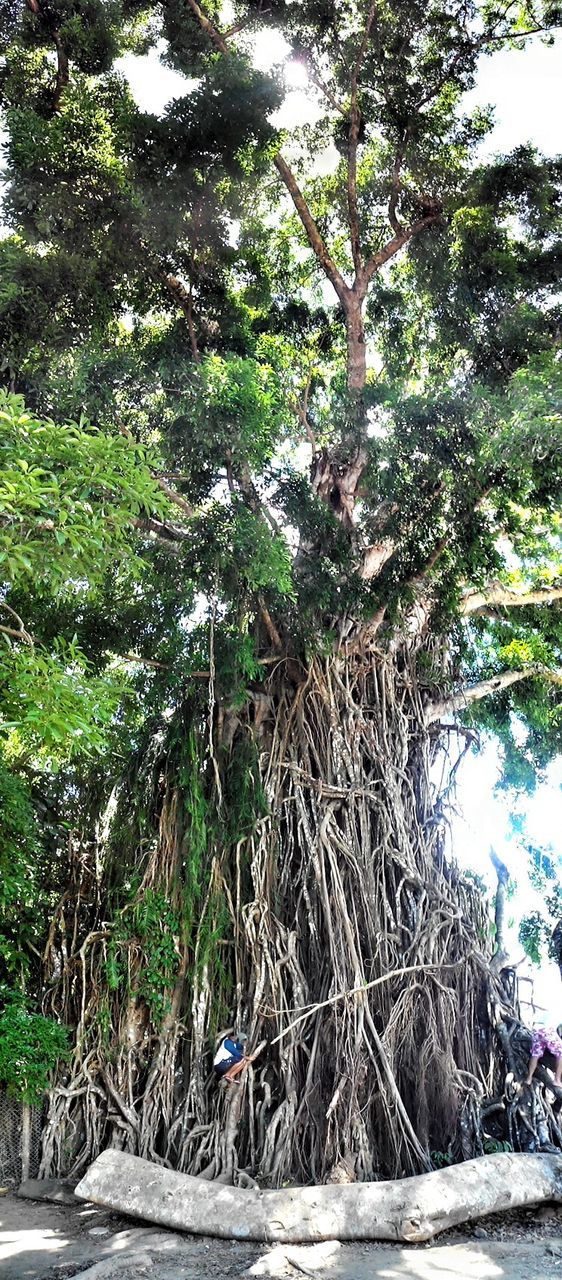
<point>410,1209</point>
<point>250,494</point>
<point>183,297</point>
<point>16,633</point>
<point>191,328</point>
<point>474,693</point>
<point>312,231</point>
<point>168,535</point>
<point>217,37</point>
<point>314,237</point>
<point>301,411</point>
<point>337,485</point>
<point>375,558</point>
<point>353,212</point>
<point>393,218</point>
<point>158,272</point>
<point>145,662</point>
<point>360,991</point>
<point>19,632</point>
<point>356,347</point>
<point>274,637</point>
<point>443,79</point>
<point>377,555</point>
<point>502,874</point>
<point>175,497</point>
<point>364,42</point>
<point>393,247</point>
<point>363,274</point>
<point>499,595</point>
<point>63,71</point>
<point>316,79</point>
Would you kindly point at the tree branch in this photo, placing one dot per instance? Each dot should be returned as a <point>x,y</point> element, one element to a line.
<point>375,558</point>
<point>474,693</point>
<point>175,497</point>
<point>19,632</point>
<point>63,71</point>
<point>364,42</point>
<point>191,327</point>
<point>216,36</point>
<point>314,237</point>
<point>168,535</point>
<point>275,638</point>
<point>301,411</point>
<point>395,223</point>
<point>392,247</point>
<point>145,662</point>
<point>518,35</point>
<point>361,990</point>
<point>314,76</point>
<point>184,299</point>
<point>377,555</point>
<point>352,208</point>
<point>442,81</point>
<point>502,596</point>
<point>249,493</point>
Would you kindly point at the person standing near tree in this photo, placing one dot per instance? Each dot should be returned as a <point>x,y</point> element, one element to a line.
<point>545,1040</point>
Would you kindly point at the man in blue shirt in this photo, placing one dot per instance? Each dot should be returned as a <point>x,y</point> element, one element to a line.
<point>230,1058</point>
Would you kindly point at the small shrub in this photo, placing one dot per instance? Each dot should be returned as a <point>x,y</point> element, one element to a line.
<point>30,1048</point>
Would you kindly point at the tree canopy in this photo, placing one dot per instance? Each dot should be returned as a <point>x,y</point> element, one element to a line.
<point>436,470</point>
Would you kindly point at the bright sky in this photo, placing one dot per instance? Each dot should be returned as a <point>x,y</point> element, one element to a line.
<point>525,86</point>
<point>482,821</point>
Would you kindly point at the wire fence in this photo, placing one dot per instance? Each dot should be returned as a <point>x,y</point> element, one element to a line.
<point>20,1141</point>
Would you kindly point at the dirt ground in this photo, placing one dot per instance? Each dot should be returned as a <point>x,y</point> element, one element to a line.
<point>44,1241</point>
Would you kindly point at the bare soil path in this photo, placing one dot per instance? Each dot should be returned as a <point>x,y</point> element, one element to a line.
<point>44,1241</point>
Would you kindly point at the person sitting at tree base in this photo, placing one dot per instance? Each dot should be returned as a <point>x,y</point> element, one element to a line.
<point>545,1040</point>
<point>231,1059</point>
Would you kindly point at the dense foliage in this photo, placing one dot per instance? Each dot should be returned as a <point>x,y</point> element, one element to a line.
<point>30,1049</point>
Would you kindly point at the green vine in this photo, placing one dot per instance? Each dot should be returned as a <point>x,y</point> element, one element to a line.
<point>151,923</point>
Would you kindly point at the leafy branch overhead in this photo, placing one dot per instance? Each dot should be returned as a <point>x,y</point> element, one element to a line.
<point>70,498</point>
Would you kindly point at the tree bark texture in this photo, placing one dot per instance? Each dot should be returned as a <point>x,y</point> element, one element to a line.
<point>345,941</point>
<point>412,1209</point>
<point>356,349</point>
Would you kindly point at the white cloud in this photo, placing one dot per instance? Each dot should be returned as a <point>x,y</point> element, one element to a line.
<point>152,85</point>
<point>525,87</point>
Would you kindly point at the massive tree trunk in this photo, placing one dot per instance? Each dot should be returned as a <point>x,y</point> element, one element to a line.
<point>356,349</point>
<point>300,843</point>
<point>343,938</point>
<point>300,850</point>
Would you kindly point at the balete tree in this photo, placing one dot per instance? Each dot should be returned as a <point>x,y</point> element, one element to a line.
<point>337,341</point>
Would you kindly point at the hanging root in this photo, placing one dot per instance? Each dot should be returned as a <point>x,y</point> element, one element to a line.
<point>328,923</point>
